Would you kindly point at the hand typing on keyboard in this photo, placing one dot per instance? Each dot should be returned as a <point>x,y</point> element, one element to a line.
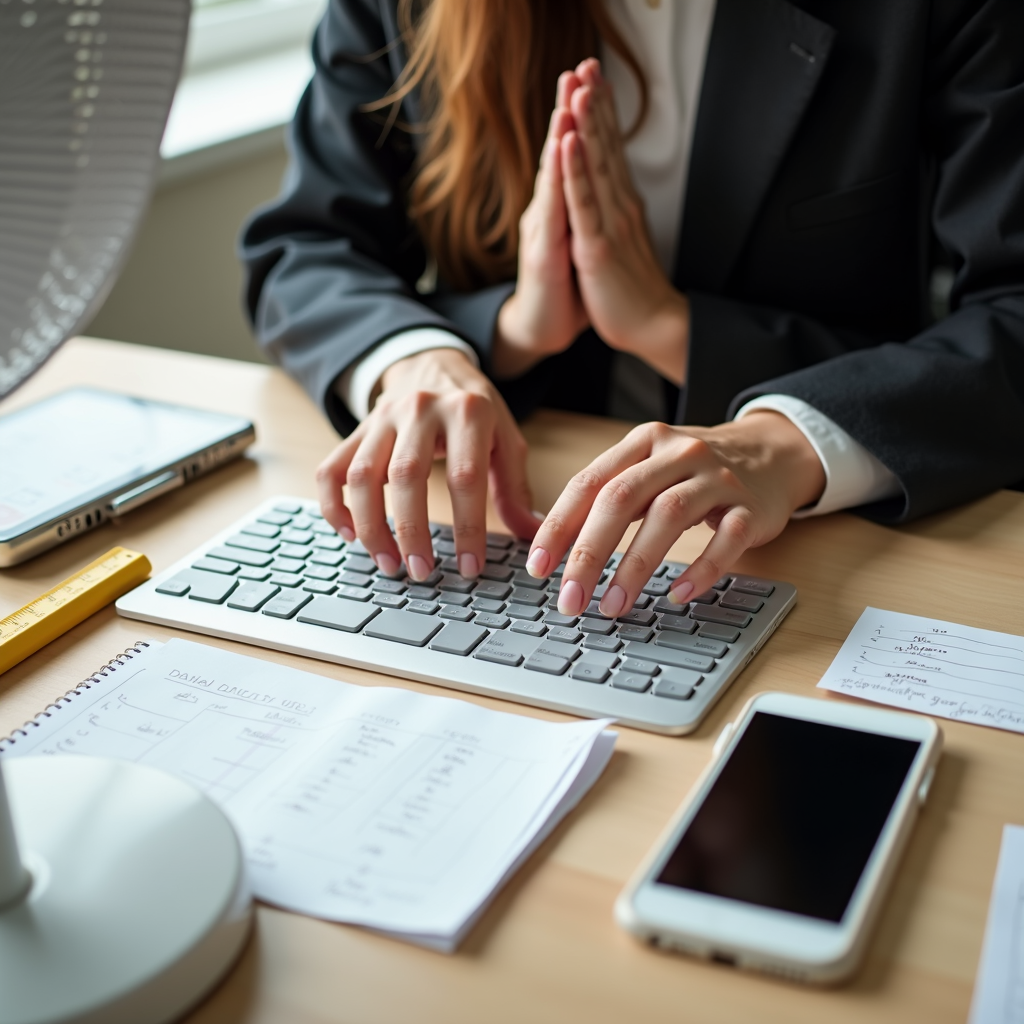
<point>744,479</point>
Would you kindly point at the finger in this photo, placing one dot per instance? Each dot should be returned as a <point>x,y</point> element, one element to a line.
<point>549,188</point>
<point>624,499</point>
<point>367,475</point>
<point>671,513</point>
<point>568,83</point>
<point>469,429</point>
<point>408,473</point>
<point>330,481</point>
<point>569,512</point>
<point>510,485</point>
<point>734,534</point>
<point>595,150</point>
<point>581,202</point>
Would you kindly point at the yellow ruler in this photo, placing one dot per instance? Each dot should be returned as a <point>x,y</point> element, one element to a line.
<point>67,604</point>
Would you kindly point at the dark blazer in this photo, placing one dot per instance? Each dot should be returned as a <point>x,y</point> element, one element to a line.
<point>840,150</point>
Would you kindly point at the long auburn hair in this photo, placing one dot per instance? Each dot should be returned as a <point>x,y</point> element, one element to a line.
<point>486,72</point>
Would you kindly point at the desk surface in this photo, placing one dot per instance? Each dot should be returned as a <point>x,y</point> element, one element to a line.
<point>547,949</point>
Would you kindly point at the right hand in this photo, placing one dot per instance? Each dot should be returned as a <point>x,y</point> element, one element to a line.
<point>435,404</point>
<point>545,313</point>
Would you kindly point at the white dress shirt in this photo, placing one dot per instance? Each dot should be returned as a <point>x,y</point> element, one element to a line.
<point>670,41</point>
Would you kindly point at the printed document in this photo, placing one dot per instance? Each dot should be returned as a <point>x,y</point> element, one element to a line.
<point>939,668</point>
<point>370,805</point>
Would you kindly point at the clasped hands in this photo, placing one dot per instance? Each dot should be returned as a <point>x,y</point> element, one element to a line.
<point>585,258</point>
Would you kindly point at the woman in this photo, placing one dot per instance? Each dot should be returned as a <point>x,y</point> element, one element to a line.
<point>731,226</point>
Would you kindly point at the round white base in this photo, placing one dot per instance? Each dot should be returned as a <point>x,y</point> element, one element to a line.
<point>138,901</point>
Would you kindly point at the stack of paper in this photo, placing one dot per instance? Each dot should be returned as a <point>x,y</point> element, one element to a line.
<point>370,805</point>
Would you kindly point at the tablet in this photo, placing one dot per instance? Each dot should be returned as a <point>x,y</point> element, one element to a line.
<point>72,461</point>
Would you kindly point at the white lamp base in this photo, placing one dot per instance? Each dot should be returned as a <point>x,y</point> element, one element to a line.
<point>138,901</point>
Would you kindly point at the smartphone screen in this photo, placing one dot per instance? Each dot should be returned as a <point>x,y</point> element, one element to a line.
<point>793,816</point>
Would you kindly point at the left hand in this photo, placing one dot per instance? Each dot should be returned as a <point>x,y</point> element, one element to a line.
<point>744,479</point>
<point>628,299</point>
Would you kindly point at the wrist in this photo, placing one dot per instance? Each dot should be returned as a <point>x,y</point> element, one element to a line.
<point>794,462</point>
<point>515,348</point>
<point>664,339</point>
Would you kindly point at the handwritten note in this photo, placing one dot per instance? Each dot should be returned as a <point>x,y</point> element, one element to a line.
<point>999,990</point>
<point>939,668</point>
<point>370,805</point>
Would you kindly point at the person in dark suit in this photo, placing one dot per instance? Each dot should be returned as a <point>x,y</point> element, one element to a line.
<point>730,235</point>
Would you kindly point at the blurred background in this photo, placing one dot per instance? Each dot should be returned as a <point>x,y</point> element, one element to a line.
<point>222,155</point>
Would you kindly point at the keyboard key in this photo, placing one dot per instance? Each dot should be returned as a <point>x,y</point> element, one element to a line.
<point>680,676</point>
<point>724,616</point>
<point>319,587</point>
<point>457,638</point>
<point>497,591</point>
<point>538,662</point>
<point>450,564</point>
<point>288,602</point>
<point>176,586</point>
<point>287,565</point>
<point>216,565</point>
<point>448,611</point>
<point>723,583</point>
<point>328,543</point>
<point>596,642</point>
<point>669,656</point>
<point>355,593</point>
<point>642,601</point>
<point>523,596</point>
<point>497,573</point>
<point>320,572</point>
<point>257,575</point>
<point>505,649</point>
<point>355,579</point>
<point>274,518</point>
<point>558,619</point>
<point>492,621</point>
<point>487,604</point>
<point>708,597</point>
<point>713,631</point>
<point>444,547</point>
<point>696,644</point>
<point>242,556</point>
<point>657,588</point>
<point>210,587</point>
<point>403,627</point>
<point>521,578</point>
<point>334,614</point>
<point>636,682</point>
<point>678,624</point>
<point>518,560</point>
<point>262,544</point>
<point>744,602</point>
<point>759,588</point>
<point>251,597</point>
<point>285,579</point>
<point>360,563</point>
<point>462,600</point>
<point>294,551</point>
<point>663,604</point>
<point>600,658</point>
<point>389,601</point>
<point>640,634</point>
<point>670,688</point>
<point>419,593</point>
<point>556,649</point>
<point>302,521</point>
<point>323,529</point>
<point>425,607</point>
<point>453,584</point>
<point>638,617</point>
<point>496,556</point>
<point>292,508</point>
<point>589,672</point>
<point>262,529</point>
<point>565,634</point>
<point>524,611</point>
<point>387,587</point>
<point>603,627</point>
<point>528,627</point>
<point>445,532</point>
<point>499,540</point>
<point>673,572</point>
<point>331,558</point>
<point>293,536</point>
<point>645,668</point>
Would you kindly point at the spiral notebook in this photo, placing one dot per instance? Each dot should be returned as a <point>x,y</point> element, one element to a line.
<point>376,806</point>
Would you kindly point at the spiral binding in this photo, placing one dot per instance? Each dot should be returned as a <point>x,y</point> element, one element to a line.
<point>118,661</point>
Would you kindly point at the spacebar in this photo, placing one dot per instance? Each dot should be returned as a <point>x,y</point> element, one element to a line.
<point>403,627</point>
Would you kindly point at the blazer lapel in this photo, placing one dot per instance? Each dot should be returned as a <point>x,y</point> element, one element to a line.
<point>764,61</point>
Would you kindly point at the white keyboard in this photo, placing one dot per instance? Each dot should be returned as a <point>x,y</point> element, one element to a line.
<point>282,578</point>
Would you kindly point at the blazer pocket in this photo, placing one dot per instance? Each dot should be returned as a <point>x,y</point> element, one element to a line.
<point>846,204</point>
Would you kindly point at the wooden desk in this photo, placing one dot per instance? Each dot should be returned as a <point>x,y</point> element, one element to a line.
<point>547,950</point>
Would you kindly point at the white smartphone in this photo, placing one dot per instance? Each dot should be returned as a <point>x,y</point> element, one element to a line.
<point>780,857</point>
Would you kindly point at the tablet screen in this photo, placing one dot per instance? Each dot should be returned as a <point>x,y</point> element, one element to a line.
<point>82,444</point>
<point>793,816</point>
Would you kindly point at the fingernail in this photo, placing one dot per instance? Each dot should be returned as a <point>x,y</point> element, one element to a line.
<point>538,515</point>
<point>613,602</point>
<point>537,563</point>
<point>681,593</point>
<point>418,567</point>
<point>347,534</point>
<point>469,567</point>
<point>570,598</point>
<point>386,563</point>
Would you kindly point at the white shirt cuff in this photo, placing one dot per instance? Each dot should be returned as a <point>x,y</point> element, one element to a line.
<point>355,386</point>
<point>853,476</point>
